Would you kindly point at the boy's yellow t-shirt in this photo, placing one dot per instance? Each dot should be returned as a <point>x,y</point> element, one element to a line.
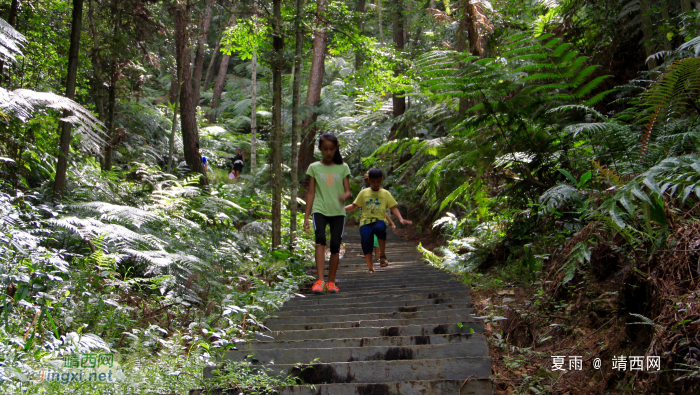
<point>374,204</point>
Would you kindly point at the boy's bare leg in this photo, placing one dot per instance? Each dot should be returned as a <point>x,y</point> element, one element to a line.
<point>376,253</point>
<point>333,267</point>
<point>368,259</point>
<point>382,248</point>
<point>320,261</point>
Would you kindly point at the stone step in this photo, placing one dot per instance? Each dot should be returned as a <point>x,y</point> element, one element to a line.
<point>339,299</point>
<point>374,308</point>
<point>390,287</point>
<point>457,317</point>
<point>359,332</point>
<point>403,276</point>
<point>376,279</point>
<point>391,291</point>
<point>413,387</point>
<point>388,371</point>
<point>407,329</point>
<point>349,354</point>
<point>387,341</point>
<point>333,316</point>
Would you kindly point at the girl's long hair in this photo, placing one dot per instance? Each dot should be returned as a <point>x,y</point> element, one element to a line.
<point>337,159</point>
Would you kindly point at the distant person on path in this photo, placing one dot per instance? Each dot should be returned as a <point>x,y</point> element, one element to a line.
<point>374,202</point>
<point>329,187</point>
<point>205,161</point>
<point>376,241</point>
<point>238,160</point>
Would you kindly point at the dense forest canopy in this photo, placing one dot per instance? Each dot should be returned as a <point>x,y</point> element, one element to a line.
<point>548,144</point>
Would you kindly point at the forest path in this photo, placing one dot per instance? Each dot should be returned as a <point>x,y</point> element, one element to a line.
<point>391,332</point>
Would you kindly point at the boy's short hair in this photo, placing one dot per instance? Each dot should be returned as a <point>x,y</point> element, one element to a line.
<point>374,173</point>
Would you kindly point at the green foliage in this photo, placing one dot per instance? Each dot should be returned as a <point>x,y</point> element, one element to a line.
<point>245,38</point>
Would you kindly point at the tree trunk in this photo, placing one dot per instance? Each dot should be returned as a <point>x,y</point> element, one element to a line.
<point>668,46</point>
<point>173,130</point>
<point>111,107</point>
<point>379,18</point>
<point>686,6</point>
<point>188,120</point>
<point>277,64</point>
<point>648,30</point>
<point>98,80</point>
<point>467,27</point>
<point>221,77</point>
<point>112,98</point>
<point>199,57</point>
<point>12,21</point>
<point>174,101</point>
<point>59,186</point>
<point>360,12</point>
<point>253,111</point>
<point>296,126</point>
<point>398,98</point>
<point>313,94</point>
<point>207,78</point>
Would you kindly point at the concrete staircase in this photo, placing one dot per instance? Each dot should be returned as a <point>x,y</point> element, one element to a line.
<point>405,329</point>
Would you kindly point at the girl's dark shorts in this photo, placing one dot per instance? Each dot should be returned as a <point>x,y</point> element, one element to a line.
<point>337,225</point>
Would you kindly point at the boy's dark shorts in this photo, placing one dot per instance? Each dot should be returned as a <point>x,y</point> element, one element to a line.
<point>367,233</point>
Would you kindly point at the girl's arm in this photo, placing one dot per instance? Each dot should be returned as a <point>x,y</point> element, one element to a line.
<point>351,207</point>
<point>309,202</point>
<point>395,211</point>
<point>345,196</point>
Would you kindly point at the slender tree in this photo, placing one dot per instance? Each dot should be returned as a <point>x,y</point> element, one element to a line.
<point>468,40</point>
<point>398,98</point>
<point>277,65</point>
<point>253,111</point>
<point>296,126</point>
<point>648,31</point>
<point>59,186</point>
<point>210,68</point>
<point>174,101</point>
<point>12,21</point>
<point>112,95</point>
<point>686,6</point>
<point>313,93</point>
<point>360,18</point>
<point>188,120</point>
<point>221,76</point>
<point>199,57</point>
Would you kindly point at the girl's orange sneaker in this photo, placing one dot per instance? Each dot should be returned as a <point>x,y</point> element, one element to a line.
<point>332,288</point>
<point>318,287</point>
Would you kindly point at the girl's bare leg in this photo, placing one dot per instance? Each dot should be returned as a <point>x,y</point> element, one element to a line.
<point>320,261</point>
<point>333,267</point>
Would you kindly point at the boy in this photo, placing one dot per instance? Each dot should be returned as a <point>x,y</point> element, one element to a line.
<point>374,202</point>
<point>376,241</point>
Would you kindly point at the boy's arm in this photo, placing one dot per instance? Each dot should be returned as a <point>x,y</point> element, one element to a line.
<point>395,211</point>
<point>393,227</point>
<point>351,207</point>
<point>388,218</point>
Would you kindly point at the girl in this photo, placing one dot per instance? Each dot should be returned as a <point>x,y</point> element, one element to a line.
<point>329,187</point>
<point>238,164</point>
